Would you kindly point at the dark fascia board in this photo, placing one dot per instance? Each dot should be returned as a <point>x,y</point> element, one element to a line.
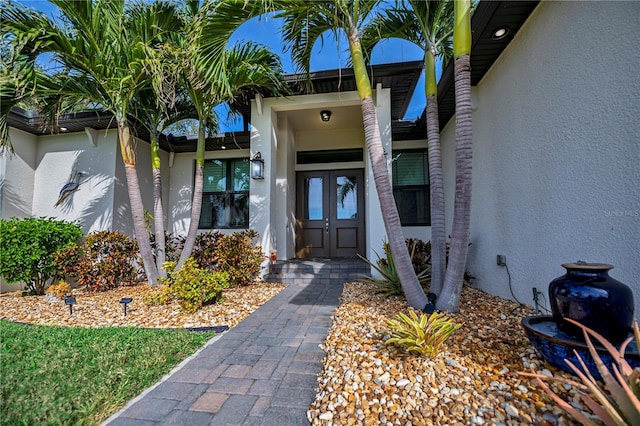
<point>380,70</point>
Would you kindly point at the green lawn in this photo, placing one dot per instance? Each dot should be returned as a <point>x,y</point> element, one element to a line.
<point>69,375</point>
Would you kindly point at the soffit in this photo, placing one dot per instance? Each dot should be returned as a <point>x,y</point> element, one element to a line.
<point>401,78</point>
<point>345,117</point>
<point>31,122</point>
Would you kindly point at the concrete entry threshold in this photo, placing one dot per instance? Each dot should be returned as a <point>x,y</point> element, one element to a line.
<point>263,371</point>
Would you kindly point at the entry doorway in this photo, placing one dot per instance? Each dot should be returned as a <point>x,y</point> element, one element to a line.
<point>330,213</point>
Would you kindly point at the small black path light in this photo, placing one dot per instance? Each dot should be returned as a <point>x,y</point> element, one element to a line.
<point>125,301</point>
<point>70,300</point>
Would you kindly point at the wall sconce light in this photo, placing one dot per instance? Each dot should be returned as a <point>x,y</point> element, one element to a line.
<point>257,166</point>
<point>325,115</point>
<point>500,32</point>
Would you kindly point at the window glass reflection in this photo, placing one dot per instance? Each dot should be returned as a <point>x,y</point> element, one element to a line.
<point>347,197</point>
<point>313,198</point>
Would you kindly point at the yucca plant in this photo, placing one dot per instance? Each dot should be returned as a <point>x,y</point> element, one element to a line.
<point>422,335</point>
<point>615,403</point>
<point>390,284</point>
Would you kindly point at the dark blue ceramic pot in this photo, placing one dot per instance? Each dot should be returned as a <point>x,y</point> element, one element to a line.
<point>557,347</point>
<point>588,294</point>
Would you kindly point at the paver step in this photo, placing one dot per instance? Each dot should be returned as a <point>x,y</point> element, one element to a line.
<point>306,271</point>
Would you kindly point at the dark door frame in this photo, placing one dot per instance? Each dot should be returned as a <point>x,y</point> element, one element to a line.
<point>330,236</point>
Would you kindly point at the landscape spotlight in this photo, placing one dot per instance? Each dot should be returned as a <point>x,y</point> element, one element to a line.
<point>70,301</point>
<point>125,301</point>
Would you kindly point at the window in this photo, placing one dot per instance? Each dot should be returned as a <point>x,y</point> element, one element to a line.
<point>411,186</point>
<point>329,156</point>
<point>225,198</point>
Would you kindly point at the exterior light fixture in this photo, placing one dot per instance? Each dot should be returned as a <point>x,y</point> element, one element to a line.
<point>325,115</point>
<point>64,129</point>
<point>124,302</point>
<point>70,301</point>
<point>257,166</point>
<point>500,32</point>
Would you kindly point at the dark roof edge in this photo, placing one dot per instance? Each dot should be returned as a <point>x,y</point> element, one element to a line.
<point>378,69</point>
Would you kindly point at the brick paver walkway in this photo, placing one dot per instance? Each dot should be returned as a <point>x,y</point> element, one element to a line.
<point>261,372</point>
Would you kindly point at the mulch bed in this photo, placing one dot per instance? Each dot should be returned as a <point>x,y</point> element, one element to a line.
<point>104,309</point>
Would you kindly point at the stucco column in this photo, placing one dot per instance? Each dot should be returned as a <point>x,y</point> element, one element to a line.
<point>262,191</point>
<point>376,233</point>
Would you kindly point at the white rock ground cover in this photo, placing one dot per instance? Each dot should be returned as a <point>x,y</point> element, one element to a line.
<point>474,381</point>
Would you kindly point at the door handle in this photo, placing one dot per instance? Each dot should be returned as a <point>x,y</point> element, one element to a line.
<point>326,225</point>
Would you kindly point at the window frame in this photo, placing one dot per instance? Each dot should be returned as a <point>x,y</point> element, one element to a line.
<point>424,187</point>
<point>227,195</point>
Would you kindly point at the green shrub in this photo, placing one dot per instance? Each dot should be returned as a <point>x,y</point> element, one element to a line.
<point>156,297</point>
<point>420,254</point>
<point>615,403</point>
<point>27,248</point>
<point>422,335</point>
<point>390,284</point>
<point>107,260</point>
<point>233,253</point>
<point>172,247</point>
<point>60,290</point>
<point>205,250</point>
<point>237,256</point>
<point>194,287</point>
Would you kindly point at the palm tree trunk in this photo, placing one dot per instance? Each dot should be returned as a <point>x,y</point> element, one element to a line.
<point>196,205</point>
<point>410,284</point>
<point>450,298</point>
<point>436,186</point>
<point>135,200</point>
<point>158,211</point>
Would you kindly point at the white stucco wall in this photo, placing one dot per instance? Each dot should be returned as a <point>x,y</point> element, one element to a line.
<point>17,175</point>
<point>285,188</point>
<point>58,158</point>
<point>556,150</point>
<point>122,220</point>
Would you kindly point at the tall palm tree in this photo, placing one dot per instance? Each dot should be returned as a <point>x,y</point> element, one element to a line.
<point>156,106</point>
<point>429,25</point>
<point>450,297</point>
<point>246,67</point>
<point>305,22</point>
<point>104,62</point>
<point>156,116</point>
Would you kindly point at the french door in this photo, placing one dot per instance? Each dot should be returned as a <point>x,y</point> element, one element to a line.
<point>330,213</point>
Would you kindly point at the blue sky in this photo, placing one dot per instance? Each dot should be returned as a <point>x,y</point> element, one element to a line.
<point>331,54</point>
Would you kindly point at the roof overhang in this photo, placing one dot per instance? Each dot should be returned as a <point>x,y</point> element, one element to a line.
<point>488,17</point>
<point>401,78</point>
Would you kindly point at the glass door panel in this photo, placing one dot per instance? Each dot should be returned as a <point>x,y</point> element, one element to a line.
<point>313,194</point>
<point>346,197</point>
